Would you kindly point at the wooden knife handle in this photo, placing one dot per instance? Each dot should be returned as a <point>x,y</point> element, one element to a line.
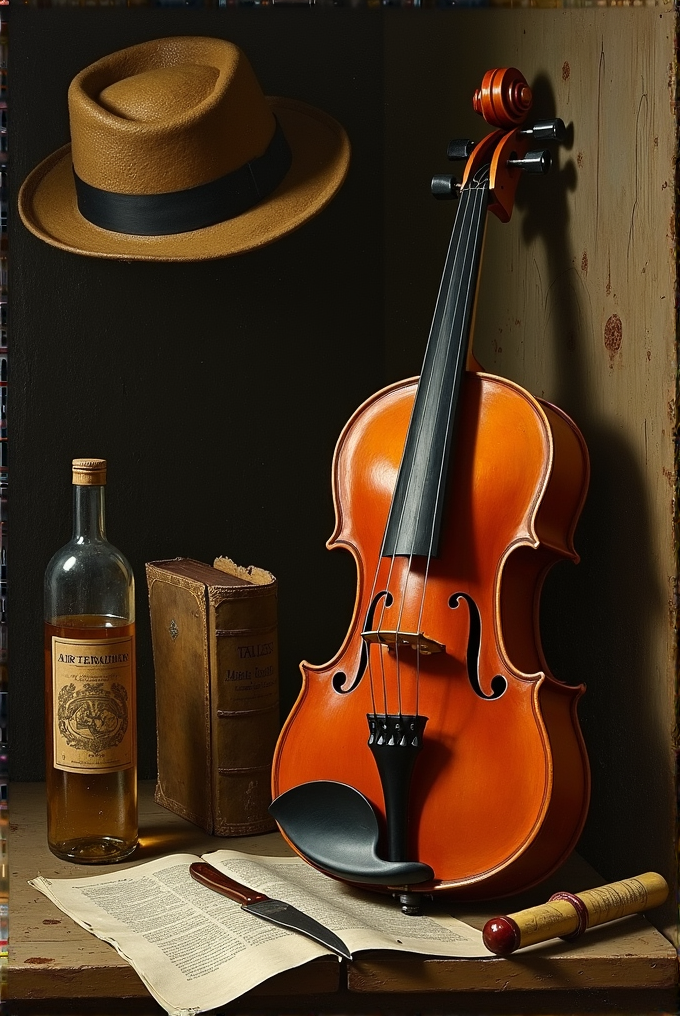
<point>214,879</point>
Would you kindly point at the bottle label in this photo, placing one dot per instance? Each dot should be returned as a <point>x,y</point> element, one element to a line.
<point>93,687</point>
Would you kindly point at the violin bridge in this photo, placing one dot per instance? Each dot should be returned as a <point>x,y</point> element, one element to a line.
<point>406,639</point>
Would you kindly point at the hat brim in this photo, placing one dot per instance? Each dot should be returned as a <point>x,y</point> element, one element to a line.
<point>320,147</point>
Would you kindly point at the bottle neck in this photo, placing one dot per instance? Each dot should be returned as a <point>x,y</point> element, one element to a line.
<point>88,513</point>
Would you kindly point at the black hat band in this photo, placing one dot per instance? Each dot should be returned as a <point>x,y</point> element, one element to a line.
<point>194,208</point>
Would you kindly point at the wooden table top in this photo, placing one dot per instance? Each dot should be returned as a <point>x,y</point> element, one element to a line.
<point>52,960</point>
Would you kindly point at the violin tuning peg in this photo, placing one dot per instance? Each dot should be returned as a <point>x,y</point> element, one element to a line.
<point>445,188</point>
<point>533,162</point>
<point>546,130</point>
<point>459,149</point>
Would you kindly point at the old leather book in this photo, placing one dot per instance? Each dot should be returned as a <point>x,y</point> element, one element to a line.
<point>215,649</point>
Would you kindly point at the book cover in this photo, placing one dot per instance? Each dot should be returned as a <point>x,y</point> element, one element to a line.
<point>215,649</point>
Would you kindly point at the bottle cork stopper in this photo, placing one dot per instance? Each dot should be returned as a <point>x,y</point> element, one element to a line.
<point>89,472</point>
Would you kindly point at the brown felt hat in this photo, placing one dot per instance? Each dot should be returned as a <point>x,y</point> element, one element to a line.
<point>176,155</point>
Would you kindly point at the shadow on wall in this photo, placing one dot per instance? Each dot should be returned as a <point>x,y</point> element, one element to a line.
<point>594,617</point>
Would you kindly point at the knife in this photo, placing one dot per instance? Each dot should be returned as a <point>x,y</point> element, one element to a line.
<point>276,911</point>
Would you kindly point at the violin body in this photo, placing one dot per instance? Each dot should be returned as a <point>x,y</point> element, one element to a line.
<point>435,751</point>
<point>500,789</point>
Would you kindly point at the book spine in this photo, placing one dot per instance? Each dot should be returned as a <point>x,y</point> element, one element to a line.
<point>245,705</point>
<point>179,638</point>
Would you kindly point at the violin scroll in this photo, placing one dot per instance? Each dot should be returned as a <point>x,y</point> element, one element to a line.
<point>504,98</point>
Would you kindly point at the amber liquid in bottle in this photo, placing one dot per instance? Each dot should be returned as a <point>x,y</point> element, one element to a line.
<point>90,704</point>
<point>91,817</point>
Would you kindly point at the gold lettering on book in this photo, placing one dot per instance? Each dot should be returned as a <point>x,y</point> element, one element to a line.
<point>259,649</point>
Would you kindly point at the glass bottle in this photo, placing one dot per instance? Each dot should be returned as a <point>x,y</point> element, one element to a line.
<point>90,704</point>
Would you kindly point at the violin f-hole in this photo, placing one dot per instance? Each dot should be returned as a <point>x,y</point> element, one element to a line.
<point>339,678</point>
<point>498,682</point>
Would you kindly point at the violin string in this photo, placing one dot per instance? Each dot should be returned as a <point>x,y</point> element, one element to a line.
<point>382,648</point>
<point>369,658</point>
<point>378,627</point>
<point>469,212</point>
<point>449,264</point>
<point>368,646</point>
<point>460,351</point>
<point>480,181</point>
<point>398,629</point>
<point>370,681</point>
<point>448,315</point>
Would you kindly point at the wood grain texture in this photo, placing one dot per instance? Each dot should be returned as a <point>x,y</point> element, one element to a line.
<point>631,957</point>
<point>52,958</point>
<point>626,954</point>
<point>622,1002</point>
<point>577,304</point>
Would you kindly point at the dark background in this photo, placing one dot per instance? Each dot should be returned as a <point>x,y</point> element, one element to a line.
<point>215,390</point>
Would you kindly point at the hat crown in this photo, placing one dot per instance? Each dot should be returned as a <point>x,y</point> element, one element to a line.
<point>167,115</point>
<point>177,155</point>
<point>159,93</point>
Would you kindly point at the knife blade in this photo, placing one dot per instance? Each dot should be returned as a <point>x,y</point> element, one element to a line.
<point>276,911</point>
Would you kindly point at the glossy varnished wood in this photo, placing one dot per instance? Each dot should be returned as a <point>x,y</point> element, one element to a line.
<point>500,789</point>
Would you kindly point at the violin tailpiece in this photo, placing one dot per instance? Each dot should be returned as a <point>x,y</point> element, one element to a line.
<point>395,742</point>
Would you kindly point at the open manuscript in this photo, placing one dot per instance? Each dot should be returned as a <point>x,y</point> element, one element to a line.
<point>195,949</point>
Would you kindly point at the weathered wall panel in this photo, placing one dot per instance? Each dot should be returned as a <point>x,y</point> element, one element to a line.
<point>577,303</point>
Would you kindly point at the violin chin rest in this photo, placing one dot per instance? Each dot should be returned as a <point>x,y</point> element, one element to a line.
<point>336,829</point>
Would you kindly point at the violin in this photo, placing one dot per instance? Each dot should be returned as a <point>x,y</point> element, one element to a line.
<point>435,752</point>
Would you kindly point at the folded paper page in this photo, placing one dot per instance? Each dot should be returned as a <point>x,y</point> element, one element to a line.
<point>196,950</point>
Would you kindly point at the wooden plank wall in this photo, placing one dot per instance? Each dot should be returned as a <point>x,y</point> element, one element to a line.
<point>577,303</point>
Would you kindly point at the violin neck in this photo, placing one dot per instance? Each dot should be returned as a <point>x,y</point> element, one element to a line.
<point>414,522</point>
